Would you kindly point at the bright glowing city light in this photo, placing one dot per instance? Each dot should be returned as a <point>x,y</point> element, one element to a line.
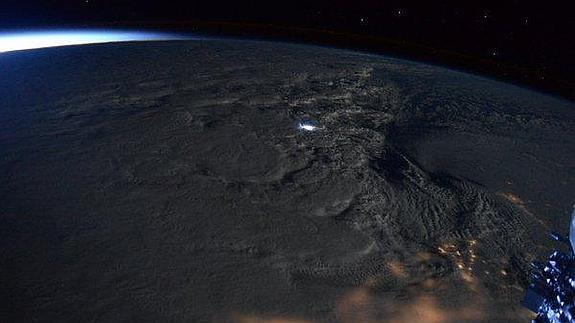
<point>11,41</point>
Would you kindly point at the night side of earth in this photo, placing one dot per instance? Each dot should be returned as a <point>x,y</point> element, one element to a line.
<point>249,181</point>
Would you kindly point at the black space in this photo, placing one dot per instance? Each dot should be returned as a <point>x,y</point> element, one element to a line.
<point>527,43</point>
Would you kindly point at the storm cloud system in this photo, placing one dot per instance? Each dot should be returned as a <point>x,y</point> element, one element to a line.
<point>244,181</point>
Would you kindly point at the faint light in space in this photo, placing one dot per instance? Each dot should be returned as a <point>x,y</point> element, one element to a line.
<point>11,41</point>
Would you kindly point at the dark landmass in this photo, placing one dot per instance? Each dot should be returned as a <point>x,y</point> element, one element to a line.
<point>167,181</point>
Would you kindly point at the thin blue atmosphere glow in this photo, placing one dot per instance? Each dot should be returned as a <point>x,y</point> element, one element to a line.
<point>11,41</point>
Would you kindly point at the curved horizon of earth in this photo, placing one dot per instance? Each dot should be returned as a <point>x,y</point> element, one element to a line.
<point>169,181</point>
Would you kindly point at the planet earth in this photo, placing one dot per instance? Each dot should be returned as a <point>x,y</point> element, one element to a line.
<point>249,181</point>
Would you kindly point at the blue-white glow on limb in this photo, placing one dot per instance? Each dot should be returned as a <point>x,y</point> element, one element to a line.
<point>11,41</point>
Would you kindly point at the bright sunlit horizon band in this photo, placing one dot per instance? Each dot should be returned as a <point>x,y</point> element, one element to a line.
<point>12,41</point>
